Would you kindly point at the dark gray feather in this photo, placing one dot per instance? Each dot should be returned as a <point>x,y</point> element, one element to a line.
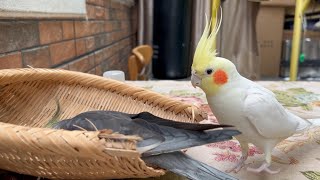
<point>181,164</point>
<point>161,142</point>
<point>160,139</point>
<point>179,125</point>
<point>116,121</point>
<point>177,139</point>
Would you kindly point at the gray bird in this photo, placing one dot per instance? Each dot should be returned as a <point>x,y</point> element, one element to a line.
<point>162,139</point>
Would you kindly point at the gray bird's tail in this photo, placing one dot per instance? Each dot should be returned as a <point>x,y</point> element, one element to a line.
<point>179,163</point>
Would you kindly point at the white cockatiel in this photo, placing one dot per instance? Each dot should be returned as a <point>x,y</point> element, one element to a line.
<point>235,100</point>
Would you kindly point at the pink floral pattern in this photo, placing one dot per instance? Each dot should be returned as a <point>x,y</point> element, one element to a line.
<point>232,147</point>
<point>229,145</point>
<point>226,157</point>
<point>211,116</point>
<point>253,150</point>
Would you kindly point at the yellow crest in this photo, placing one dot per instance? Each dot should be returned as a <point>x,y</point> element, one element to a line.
<point>205,51</point>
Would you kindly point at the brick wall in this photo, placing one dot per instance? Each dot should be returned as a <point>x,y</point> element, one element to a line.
<point>103,42</point>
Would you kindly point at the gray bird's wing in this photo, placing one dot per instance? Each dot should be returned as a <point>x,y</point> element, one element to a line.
<point>157,139</point>
<point>177,139</point>
<point>117,122</point>
<point>179,163</point>
<point>179,125</point>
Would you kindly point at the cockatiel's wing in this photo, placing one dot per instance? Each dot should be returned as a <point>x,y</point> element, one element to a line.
<point>268,116</point>
<point>156,137</point>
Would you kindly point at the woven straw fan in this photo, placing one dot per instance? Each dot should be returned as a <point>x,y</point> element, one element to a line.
<point>28,101</point>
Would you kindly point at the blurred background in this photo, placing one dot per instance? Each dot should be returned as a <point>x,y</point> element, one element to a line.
<point>156,39</point>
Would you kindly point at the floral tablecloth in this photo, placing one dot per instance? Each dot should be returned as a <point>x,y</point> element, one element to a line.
<point>298,157</point>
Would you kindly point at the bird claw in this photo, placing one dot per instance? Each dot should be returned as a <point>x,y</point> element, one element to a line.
<point>263,167</point>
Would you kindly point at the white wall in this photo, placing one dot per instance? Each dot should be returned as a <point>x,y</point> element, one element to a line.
<point>42,8</point>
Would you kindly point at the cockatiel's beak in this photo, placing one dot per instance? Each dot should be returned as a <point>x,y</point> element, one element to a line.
<point>195,80</point>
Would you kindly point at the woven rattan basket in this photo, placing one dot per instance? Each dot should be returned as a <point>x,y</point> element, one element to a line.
<point>28,101</point>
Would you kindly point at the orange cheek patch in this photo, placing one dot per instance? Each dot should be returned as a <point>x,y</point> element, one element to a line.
<point>220,77</point>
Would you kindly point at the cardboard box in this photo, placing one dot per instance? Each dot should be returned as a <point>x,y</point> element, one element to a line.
<point>279,3</point>
<point>270,22</point>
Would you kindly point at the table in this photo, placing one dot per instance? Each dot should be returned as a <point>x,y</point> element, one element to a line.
<point>298,156</point>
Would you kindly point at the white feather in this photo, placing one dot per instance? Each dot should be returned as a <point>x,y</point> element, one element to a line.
<point>269,117</point>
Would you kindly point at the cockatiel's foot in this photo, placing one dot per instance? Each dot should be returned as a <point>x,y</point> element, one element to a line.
<point>238,166</point>
<point>264,167</point>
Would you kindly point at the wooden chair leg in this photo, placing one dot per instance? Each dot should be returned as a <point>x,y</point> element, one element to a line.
<point>133,68</point>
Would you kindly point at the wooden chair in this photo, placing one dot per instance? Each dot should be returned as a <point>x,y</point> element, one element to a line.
<point>139,61</point>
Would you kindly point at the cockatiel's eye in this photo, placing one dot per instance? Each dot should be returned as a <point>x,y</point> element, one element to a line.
<point>209,71</point>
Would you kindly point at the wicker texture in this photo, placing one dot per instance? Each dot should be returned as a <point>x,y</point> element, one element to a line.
<point>28,101</point>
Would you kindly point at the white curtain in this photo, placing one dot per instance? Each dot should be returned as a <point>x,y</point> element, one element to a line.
<point>145,22</point>
<point>238,38</point>
<point>200,9</point>
<point>145,27</point>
